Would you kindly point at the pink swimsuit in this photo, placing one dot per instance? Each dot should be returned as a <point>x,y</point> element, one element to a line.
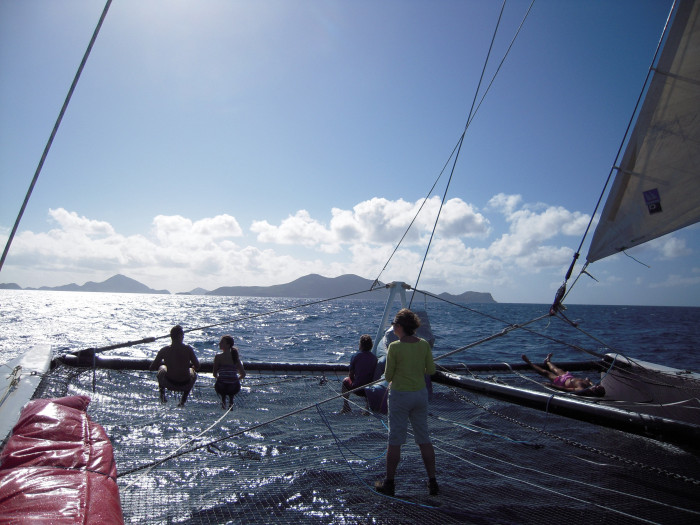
<point>562,379</point>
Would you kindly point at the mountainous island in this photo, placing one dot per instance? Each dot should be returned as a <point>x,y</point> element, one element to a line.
<point>308,287</point>
<point>115,284</point>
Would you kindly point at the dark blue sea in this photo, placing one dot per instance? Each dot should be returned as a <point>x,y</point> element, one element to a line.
<point>293,330</point>
<point>285,455</point>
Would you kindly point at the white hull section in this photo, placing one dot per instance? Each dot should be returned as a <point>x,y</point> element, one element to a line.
<point>640,386</point>
<point>19,379</point>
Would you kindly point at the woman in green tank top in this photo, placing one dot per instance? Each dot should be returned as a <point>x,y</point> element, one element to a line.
<point>408,361</point>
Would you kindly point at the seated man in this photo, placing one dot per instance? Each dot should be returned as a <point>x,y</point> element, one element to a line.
<point>177,365</point>
<point>362,367</point>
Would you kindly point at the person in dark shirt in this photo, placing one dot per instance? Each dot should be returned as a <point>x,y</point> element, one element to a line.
<point>362,366</point>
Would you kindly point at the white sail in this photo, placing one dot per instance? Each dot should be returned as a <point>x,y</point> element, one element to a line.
<point>657,187</point>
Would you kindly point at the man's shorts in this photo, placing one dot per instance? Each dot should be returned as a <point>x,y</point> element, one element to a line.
<point>165,382</point>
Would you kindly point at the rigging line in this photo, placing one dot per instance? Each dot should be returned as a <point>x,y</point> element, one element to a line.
<point>229,321</point>
<point>577,444</point>
<point>15,375</point>
<point>594,338</point>
<point>53,133</point>
<point>571,480</point>
<point>503,332</point>
<point>538,383</point>
<point>184,445</point>
<point>610,348</point>
<point>367,411</point>
<point>478,430</point>
<point>580,273</point>
<point>522,326</point>
<point>635,260</point>
<point>442,203</point>
<point>243,431</point>
<point>347,463</point>
<point>460,142</point>
<point>505,55</point>
<point>271,312</point>
<point>624,140</point>
<point>472,113</point>
<point>398,245</point>
<point>542,487</point>
<point>553,391</point>
<point>649,376</point>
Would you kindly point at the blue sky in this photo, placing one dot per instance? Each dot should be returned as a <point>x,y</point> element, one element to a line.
<point>219,143</point>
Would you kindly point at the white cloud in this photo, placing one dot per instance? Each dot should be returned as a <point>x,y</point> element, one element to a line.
<point>179,254</point>
<point>670,247</point>
<point>675,281</point>
<point>178,230</point>
<point>71,223</point>
<point>546,257</point>
<point>299,229</point>
<point>377,220</point>
<point>504,203</point>
<point>530,227</point>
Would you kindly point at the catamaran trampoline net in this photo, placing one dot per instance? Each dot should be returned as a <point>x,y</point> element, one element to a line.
<point>284,454</point>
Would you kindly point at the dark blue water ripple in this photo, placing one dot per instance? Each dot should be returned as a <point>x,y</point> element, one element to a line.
<point>286,330</point>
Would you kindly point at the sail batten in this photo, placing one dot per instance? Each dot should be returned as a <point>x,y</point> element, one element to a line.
<point>657,186</point>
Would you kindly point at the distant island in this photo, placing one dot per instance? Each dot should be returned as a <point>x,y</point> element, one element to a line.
<point>116,284</point>
<point>308,287</point>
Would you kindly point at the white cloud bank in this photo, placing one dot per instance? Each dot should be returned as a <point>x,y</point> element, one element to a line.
<point>180,254</point>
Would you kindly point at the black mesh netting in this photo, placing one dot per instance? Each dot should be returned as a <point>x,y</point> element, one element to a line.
<point>497,463</point>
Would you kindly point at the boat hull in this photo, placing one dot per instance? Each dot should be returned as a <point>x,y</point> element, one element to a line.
<point>653,389</point>
<point>20,378</point>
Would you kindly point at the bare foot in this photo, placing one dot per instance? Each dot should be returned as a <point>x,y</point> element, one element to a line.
<point>525,359</point>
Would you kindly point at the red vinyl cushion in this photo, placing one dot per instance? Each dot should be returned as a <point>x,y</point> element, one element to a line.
<point>58,467</point>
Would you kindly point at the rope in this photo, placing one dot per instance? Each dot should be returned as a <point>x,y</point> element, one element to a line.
<point>542,487</point>
<point>577,444</point>
<point>472,113</point>
<point>522,326</point>
<point>15,375</point>
<point>460,142</point>
<point>619,152</point>
<point>176,454</point>
<point>503,332</point>
<point>572,480</point>
<point>455,151</point>
<point>183,445</point>
<point>238,433</point>
<point>235,320</point>
<point>347,462</point>
<point>53,133</point>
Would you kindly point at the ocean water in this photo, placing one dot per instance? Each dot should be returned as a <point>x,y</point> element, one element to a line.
<point>284,454</point>
<point>292,330</point>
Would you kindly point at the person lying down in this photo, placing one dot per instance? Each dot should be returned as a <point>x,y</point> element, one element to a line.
<point>566,381</point>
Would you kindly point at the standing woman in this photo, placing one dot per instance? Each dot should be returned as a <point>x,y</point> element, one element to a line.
<point>408,361</point>
<point>228,371</point>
